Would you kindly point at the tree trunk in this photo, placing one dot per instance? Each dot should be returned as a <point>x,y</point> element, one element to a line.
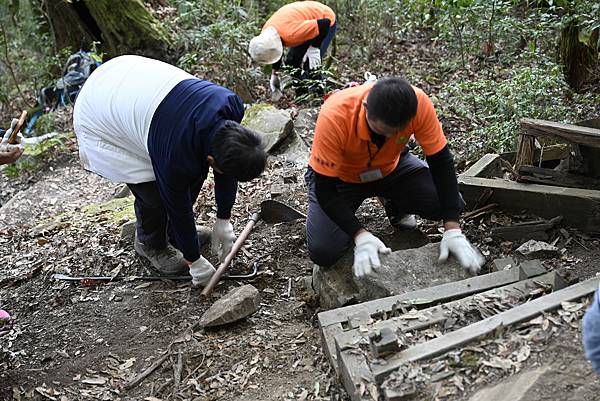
<point>121,27</point>
<point>579,59</point>
<point>66,27</point>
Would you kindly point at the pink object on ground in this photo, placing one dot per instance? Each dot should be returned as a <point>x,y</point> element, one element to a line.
<point>4,316</point>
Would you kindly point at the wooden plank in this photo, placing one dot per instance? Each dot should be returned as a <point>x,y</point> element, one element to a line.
<point>439,314</point>
<point>360,316</point>
<point>489,165</point>
<point>525,150</point>
<point>558,178</point>
<point>529,230</point>
<point>356,376</point>
<point>579,207</point>
<point>328,335</point>
<point>483,328</point>
<point>423,297</point>
<point>570,133</point>
<point>557,151</point>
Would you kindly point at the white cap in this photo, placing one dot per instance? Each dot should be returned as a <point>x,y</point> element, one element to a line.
<point>266,48</point>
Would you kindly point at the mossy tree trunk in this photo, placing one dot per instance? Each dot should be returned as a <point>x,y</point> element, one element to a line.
<point>122,27</point>
<point>579,59</point>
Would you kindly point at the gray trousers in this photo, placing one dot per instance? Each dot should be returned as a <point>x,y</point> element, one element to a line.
<point>409,188</point>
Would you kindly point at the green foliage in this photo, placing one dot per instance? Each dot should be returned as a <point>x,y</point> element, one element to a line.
<point>494,107</point>
<point>215,35</point>
<point>28,60</point>
<point>35,157</point>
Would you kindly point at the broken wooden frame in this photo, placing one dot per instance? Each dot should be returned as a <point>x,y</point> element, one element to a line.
<point>335,321</point>
<point>584,142</point>
<point>362,373</point>
<point>580,208</point>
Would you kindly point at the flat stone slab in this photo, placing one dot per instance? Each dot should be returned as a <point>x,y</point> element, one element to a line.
<point>274,125</point>
<point>402,271</point>
<point>235,305</point>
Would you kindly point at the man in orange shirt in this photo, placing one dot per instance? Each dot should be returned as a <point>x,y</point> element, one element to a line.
<point>307,28</point>
<point>359,151</point>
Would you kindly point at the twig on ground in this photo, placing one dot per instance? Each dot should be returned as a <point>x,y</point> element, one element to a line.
<point>177,369</point>
<point>479,212</point>
<point>139,378</point>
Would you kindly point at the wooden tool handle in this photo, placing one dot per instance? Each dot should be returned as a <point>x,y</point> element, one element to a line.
<point>236,247</point>
<point>13,136</point>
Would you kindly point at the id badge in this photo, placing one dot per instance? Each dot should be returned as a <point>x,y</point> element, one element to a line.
<point>371,175</point>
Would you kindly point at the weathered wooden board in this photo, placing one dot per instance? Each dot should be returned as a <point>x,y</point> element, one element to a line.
<point>357,377</point>
<point>423,297</point>
<point>570,133</point>
<point>525,150</point>
<point>489,165</point>
<point>438,314</point>
<point>335,321</point>
<point>557,178</point>
<point>579,207</point>
<point>537,230</point>
<point>354,367</point>
<point>483,328</point>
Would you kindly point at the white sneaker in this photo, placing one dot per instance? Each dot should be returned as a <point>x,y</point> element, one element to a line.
<point>406,222</point>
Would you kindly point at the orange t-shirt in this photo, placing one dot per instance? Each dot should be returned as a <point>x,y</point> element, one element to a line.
<point>296,22</point>
<point>342,137</point>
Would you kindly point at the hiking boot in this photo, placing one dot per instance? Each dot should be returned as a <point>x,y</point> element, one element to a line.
<point>168,260</point>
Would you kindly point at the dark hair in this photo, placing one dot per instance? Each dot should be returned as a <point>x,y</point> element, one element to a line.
<point>238,152</point>
<point>392,101</point>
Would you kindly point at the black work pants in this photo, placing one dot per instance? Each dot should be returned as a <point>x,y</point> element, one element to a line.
<point>409,187</point>
<point>153,228</point>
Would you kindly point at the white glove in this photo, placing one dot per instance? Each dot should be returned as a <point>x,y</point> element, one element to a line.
<point>313,55</point>
<point>454,242</point>
<point>275,86</point>
<point>201,271</point>
<point>5,147</point>
<point>366,253</point>
<point>222,238</point>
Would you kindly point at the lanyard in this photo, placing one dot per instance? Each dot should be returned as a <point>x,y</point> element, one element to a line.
<point>372,156</point>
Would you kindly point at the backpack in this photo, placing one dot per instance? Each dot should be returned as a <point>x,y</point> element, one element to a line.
<point>76,71</point>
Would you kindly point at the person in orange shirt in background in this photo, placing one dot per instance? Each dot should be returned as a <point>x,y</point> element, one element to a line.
<point>359,151</point>
<point>307,28</point>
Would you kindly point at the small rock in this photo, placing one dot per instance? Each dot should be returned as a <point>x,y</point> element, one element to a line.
<point>235,305</point>
<point>538,249</point>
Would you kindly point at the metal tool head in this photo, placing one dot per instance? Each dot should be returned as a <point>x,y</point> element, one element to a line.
<point>272,212</point>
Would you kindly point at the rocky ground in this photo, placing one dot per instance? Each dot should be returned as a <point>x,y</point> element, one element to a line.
<point>88,340</point>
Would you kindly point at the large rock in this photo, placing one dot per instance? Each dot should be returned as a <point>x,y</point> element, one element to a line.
<point>273,124</point>
<point>235,305</point>
<point>297,148</point>
<point>402,271</point>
